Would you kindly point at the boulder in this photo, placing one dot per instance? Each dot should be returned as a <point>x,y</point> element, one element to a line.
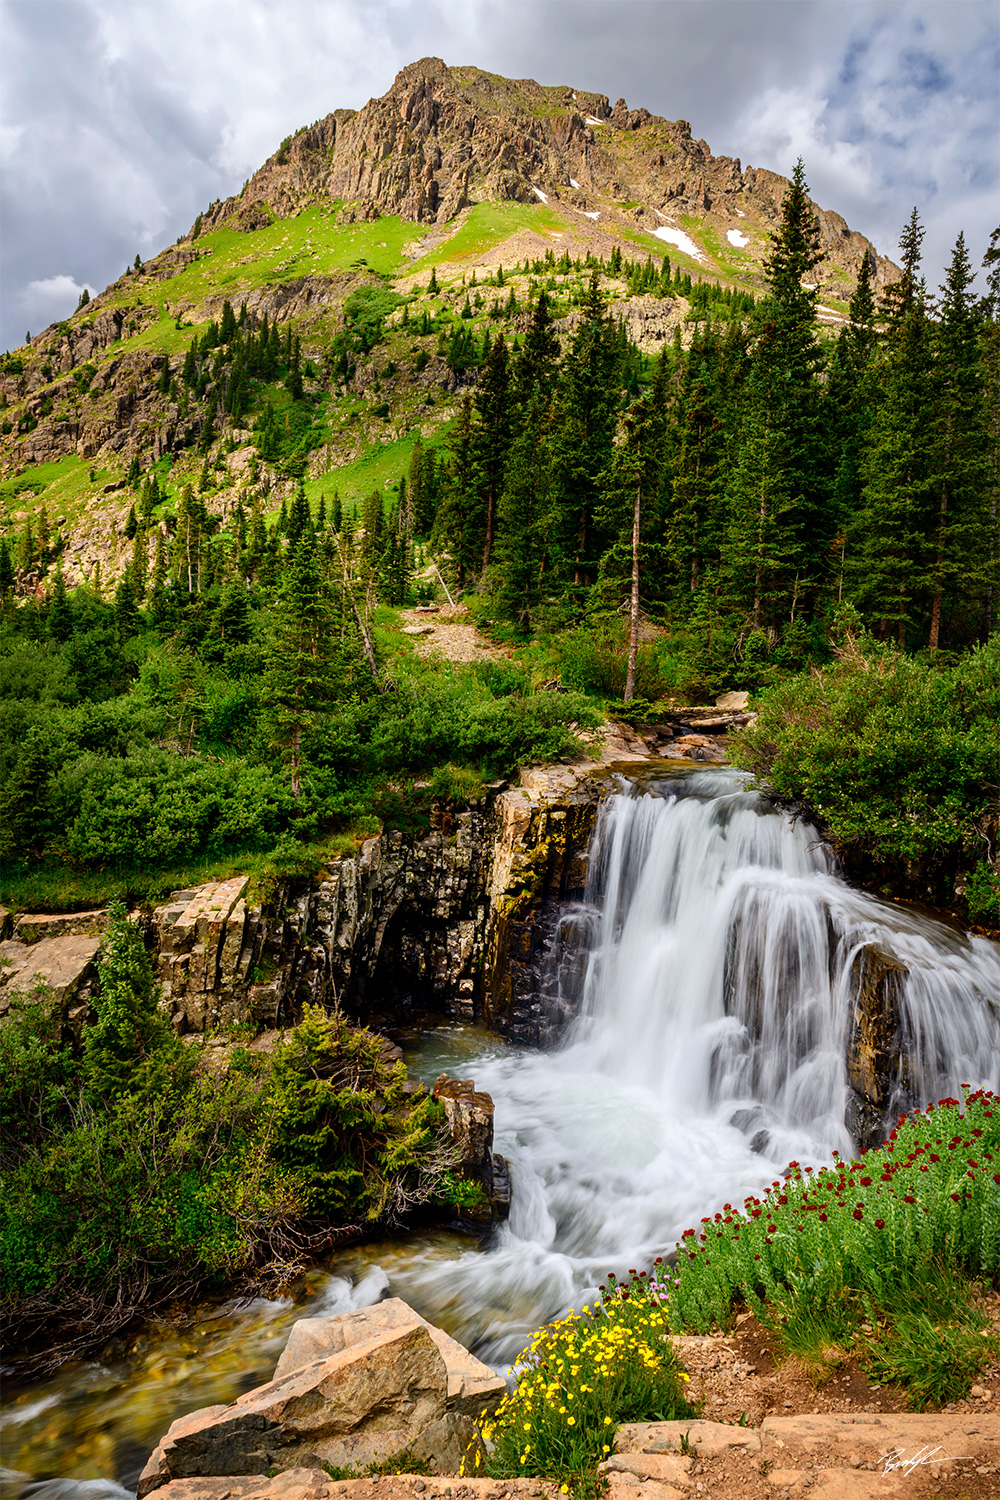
<point>470,1120</point>
<point>62,969</point>
<point>32,928</point>
<point>737,701</point>
<point>875,1056</point>
<point>364,1404</point>
<point>472,1386</point>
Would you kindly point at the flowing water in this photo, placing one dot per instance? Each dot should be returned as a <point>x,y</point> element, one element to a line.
<point>702,994</point>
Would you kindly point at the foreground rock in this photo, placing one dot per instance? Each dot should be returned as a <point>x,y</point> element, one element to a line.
<point>843,1456</point>
<point>349,1390</point>
<point>315,1484</point>
<point>60,970</point>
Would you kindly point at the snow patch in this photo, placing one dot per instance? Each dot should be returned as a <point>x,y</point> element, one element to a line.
<point>740,214</point>
<point>681,240</point>
<point>539,194</point>
<point>573,182</point>
<point>587,215</point>
<point>591,121</point>
<point>737,237</point>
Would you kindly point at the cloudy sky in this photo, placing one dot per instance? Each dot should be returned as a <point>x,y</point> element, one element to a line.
<point>123,118</point>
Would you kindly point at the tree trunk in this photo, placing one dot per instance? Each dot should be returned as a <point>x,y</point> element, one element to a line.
<point>633,639</point>
<point>296,778</point>
<point>935,630</point>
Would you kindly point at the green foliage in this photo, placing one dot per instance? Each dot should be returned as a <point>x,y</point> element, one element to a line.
<point>887,1242</point>
<point>895,754</point>
<point>134,1174</point>
<point>578,1379</point>
<point>130,1047</point>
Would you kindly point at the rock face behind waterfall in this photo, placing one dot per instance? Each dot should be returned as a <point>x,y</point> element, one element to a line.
<point>454,922</point>
<point>876,1056</point>
<point>348,1390</point>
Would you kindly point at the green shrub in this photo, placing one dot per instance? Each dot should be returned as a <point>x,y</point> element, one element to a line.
<point>578,1378</point>
<point>132,1175</point>
<point>890,1240</point>
<point>358,1146</point>
<point>894,753</point>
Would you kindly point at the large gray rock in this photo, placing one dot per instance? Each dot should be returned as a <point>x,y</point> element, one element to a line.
<point>365,1403</point>
<point>472,1386</point>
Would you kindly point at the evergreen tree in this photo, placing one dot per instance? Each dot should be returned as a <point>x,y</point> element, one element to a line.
<point>300,679</point>
<point>492,440</point>
<point>140,562</point>
<point>889,544</point>
<point>536,364</point>
<point>6,571</point>
<point>158,599</point>
<point>991,382</point>
<point>962,525</point>
<point>524,507</point>
<point>696,517</point>
<point>583,433</point>
<point>26,547</point>
<point>59,621</point>
<point>126,607</point>
<point>780,523</point>
<point>459,524</point>
<point>848,405</point>
<point>232,618</point>
<point>227,324</point>
<point>632,489</point>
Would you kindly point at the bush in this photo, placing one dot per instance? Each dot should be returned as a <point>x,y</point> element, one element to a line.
<point>896,754</point>
<point>133,1176</point>
<point>886,1241</point>
<point>578,1379</point>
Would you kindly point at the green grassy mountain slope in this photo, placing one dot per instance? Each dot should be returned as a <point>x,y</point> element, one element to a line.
<point>455,184</point>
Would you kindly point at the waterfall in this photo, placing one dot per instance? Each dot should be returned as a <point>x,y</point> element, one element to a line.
<point>705,986</point>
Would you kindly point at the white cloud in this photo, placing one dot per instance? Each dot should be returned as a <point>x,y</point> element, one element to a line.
<point>122,121</point>
<point>46,301</point>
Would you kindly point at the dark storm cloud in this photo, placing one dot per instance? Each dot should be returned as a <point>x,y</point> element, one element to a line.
<point>123,119</point>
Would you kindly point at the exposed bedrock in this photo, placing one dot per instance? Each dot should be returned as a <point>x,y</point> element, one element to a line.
<point>454,922</point>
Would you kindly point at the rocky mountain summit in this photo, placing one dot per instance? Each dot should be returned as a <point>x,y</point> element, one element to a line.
<point>442,139</point>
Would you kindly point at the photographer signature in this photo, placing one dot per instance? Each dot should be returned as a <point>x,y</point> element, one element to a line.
<point>896,1459</point>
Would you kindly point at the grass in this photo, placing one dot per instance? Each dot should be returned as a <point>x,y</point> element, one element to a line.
<point>488,225</point>
<point>311,243</point>
<point>58,888</point>
<point>378,467</point>
<point>881,1255</point>
<point>63,487</point>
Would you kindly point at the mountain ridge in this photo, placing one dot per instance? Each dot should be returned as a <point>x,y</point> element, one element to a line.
<point>442,139</point>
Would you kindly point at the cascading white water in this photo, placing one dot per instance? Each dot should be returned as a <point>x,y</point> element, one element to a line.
<point>708,976</point>
<point>705,989</point>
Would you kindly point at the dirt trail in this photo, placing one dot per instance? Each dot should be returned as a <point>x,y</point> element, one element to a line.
<point>451,633</point>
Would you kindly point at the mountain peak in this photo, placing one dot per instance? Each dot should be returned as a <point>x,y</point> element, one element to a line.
<point>443,139</point>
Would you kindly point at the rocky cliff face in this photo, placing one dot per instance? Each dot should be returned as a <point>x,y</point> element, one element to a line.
<point>443,138</point>
<point>454,923</point>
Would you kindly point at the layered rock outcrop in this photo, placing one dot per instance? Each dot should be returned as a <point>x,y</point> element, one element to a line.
<point>442,138</point>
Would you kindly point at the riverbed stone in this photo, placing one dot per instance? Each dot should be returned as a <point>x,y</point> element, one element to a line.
<point>472,1386</point>
<point>875,1056</point>
<point>364,1404</point>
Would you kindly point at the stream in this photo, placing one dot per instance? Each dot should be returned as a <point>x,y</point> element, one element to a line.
<point>701,993</point>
